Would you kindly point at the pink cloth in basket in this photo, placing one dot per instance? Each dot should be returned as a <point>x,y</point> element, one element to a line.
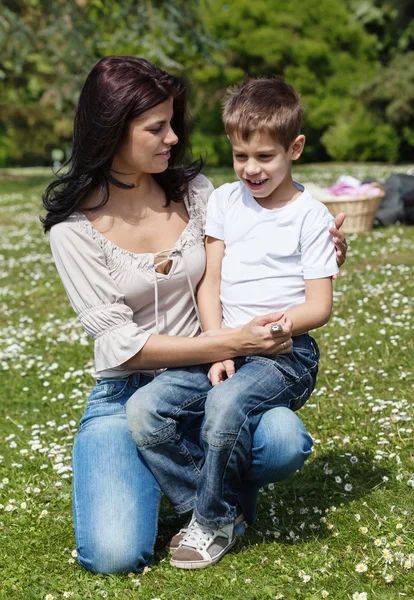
<point>342,189</point>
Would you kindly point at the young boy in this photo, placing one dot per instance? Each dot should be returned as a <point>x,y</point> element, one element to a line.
<point>268,249</point>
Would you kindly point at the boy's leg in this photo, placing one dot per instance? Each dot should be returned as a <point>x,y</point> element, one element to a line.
<point>281,444</point>
<point>233,411</point>
<point>158,416</point>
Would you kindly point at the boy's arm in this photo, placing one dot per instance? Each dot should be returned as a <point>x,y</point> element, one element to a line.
<point>317,308</point>
<point>209,305</point>
<point>208,294</point>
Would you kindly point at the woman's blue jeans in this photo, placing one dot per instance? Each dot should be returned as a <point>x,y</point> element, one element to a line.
<point>115,496</point>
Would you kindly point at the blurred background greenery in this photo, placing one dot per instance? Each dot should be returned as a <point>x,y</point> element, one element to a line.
<point>352,61</point>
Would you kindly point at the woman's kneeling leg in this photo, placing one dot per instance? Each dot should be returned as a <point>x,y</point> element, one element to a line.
<point>115,497</point>
<point>281,445</point>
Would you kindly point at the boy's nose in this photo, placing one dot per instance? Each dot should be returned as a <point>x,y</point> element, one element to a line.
<point>252,168</point>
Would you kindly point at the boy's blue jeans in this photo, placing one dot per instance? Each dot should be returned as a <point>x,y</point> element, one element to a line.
<point>209,479</point>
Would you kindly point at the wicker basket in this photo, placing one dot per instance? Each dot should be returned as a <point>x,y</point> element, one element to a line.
<point>360,210</point>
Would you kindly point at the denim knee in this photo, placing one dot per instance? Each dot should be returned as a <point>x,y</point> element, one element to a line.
<point>146,425</point>
<point>281,446</point>
<point>222,413</point>
<point>110,557</point>
<point>219,424</point>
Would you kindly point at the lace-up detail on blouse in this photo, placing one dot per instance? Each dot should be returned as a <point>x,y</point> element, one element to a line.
<point>119,296</point>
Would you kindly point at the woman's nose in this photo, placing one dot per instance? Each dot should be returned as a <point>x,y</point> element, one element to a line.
<point>170,137</point>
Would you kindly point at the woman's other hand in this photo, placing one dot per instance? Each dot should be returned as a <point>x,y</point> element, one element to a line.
<point>339,240</point>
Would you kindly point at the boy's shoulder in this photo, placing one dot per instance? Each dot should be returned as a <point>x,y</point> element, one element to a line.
<point>229,191</point>
<point>311,206</point>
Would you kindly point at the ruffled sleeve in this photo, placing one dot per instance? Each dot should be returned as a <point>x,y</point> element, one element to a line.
<point>200,191</point>
<point>94,295</point>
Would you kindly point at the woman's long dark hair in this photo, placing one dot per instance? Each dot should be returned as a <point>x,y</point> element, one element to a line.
<point>117,90</point>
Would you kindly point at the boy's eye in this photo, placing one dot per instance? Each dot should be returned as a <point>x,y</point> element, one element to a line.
<point>265,156</point>
<point>240,156</point>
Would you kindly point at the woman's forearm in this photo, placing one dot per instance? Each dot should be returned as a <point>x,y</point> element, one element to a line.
<point>255,337</point>
<point>163,351</point>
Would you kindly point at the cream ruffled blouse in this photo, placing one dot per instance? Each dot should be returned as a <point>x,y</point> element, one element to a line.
<point>119,296</point>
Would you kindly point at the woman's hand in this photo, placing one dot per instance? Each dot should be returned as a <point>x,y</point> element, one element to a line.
<point>339,240</point>
<point>257,336</point>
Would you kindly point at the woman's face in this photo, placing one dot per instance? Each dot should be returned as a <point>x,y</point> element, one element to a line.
<point>146,147</point>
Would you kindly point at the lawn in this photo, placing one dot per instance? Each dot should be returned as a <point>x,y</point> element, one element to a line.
<point>342,528</point>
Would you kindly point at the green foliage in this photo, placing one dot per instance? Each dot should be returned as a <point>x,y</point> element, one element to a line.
<point>47,49</point>
<point>346,59</point>
<point>315,45</point>
<point>359,136</point>
<point>390,93</point>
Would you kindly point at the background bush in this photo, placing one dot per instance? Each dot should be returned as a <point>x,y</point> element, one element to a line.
<point>352,62</point>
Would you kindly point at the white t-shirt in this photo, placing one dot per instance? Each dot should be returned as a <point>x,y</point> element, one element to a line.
<point>268,253</point>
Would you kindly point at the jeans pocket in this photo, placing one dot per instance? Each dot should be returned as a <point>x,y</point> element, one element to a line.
<point>288,365</point>
<point>107,390</point>
<point>297,403</point>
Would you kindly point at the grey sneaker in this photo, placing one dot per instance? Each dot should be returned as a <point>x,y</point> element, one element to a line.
<point>203,546</point>
<point>176,540</point>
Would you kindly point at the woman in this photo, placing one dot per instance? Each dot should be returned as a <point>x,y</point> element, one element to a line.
<point>126,231</point>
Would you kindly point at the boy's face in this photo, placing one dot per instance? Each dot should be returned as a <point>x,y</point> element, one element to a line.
<point>263,164</point>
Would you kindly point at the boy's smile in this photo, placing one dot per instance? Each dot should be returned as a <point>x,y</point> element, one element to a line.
<point>264,166</point>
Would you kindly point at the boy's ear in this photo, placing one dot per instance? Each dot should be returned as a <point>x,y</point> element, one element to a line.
<point>297,146</point>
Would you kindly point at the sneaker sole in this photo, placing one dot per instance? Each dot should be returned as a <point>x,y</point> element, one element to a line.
<point>202,564</point>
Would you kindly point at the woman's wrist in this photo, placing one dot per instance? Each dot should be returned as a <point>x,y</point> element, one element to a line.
<point>233,340</point>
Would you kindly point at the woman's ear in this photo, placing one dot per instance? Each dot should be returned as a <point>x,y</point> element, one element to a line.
<point>296,147</point>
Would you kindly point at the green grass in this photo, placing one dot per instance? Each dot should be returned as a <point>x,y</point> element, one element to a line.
<point>360,417</point>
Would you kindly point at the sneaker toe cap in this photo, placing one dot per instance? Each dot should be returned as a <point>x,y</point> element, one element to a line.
<point>186,554</point>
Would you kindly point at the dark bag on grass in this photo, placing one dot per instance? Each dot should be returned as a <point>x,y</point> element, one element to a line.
<point>397,204</point>
<point>409,207</point>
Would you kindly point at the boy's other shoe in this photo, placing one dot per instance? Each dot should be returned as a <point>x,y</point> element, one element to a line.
<point>203,546</point>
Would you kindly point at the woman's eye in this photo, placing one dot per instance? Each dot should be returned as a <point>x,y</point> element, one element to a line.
<point>155,130</point>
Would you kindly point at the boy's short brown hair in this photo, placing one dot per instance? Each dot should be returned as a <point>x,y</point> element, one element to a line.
<point>263,105</point>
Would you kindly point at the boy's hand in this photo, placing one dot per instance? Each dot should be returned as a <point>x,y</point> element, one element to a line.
<point>220,371</point>
<point>339,240</point>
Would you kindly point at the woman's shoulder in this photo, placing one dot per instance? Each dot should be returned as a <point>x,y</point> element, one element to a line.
<point>75,228</point>
<point>200,189</point>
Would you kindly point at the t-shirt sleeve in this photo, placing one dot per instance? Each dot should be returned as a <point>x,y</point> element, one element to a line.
<point>95,297</point>
<point>215,215</point>
<point>317,248</point>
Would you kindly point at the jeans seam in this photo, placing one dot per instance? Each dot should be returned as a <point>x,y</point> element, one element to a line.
<point>159,441</point>
<point>148,443</point>
<point>192,401</point>
<point>76,518</point>
<point>265,361</point>
<point>186,506</point>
